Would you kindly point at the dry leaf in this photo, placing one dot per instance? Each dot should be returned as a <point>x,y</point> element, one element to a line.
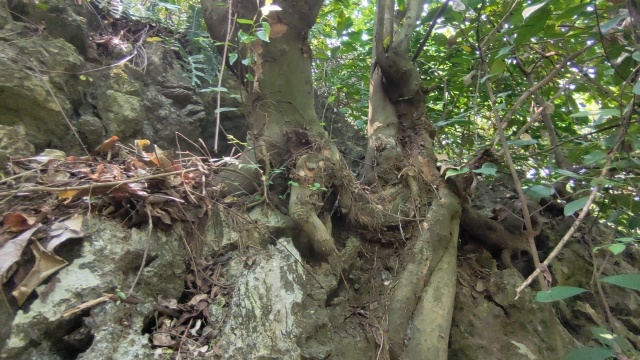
<point>107,145</point>
<point>11,251</point>
<point>57,176</point>
<point>16,221</point>
<point>196,299</point>
<point>50,154</point>
<point>68,229</point>
<point>162,339</point>
<point>168,301</point>
<point>46,264</point>
<point>162,160</point>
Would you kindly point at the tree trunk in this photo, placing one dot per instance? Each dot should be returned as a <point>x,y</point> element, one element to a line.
<point>400,166</point>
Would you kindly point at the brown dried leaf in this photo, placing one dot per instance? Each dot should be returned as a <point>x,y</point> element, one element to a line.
<point>17,221</point>
<point>162,339</point>
<point>167,301</point>
<point>46,264</point>
<point>107,145</point>
<point>196,299</point>
<point>68,229</point>
<point>163,161</point>
<point>11,251</point>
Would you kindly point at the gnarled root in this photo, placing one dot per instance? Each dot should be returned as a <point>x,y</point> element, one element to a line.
<point>306,202</point>
<point>435,248</point>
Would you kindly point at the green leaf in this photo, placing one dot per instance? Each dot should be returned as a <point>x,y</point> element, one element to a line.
<point>232,58</point>
<point>571,12</point>
<point>636,56</point>
<point>504,51</point>
<point>487,169</point>
<point>537,192</point>
<point>267,29</point>
<point>531,9</point>
<point>599,113</point>
<point>630,281</point>
<point>224,109</point>
<point>625,240</point>
<point>590,353</point>
<point>521,142</point>
<point>245,21</point>
<point>595,157</point>
<point>604,28</point>
<point>616,248</point>
<point>610,339</point>
<point>634,222</point>
<point>575,205</point>
<point>262,35</point>
<point>497,67</point>
<point>558,293</point>
<point>636,88</point>
<point>567,173</point>
<point>454,171</point>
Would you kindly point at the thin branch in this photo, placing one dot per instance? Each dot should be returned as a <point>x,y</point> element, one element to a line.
<point>224,59</point>
<point>427,35</point>
<point>585,210</point>
<point>526,215</point>
<point>378,37</point>
<point>516,106</point>
<point>576,137</point>
<point>502,21</point>
<point>97,185</point>
<point>409,26</point>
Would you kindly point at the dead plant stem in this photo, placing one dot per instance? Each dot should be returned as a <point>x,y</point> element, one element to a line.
<point>97,185</point>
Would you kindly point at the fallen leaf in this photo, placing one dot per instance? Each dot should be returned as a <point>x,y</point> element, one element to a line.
<point>50,154</point>
<point>162,339</point>
<point>68,229</point>
<point>46,264</point>
<point>196,299</point>
<point>16,221</point>
<point>163,161</point>
<point>168,301</point>
<point>107,146</point>
<point>57,176</point>
<point>11,251</point>
<point>68,194</point>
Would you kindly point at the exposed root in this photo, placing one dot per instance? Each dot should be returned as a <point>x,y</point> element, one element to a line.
<point>439,234</point>
<point>306,201</point>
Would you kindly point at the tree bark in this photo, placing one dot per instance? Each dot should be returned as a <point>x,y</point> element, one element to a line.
<point>400,160</point>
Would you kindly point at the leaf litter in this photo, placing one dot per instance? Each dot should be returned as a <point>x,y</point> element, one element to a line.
<point>46,198</point>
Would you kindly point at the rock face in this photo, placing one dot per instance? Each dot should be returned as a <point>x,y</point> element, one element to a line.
<point>56,92</point>
<point>106,260</point>
<point>262,320</point>
<point>58,84</point>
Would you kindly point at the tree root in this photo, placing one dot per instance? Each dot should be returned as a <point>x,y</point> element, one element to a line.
<point>410,299</point>
<point>493,235</point>
<point>305,202</point>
